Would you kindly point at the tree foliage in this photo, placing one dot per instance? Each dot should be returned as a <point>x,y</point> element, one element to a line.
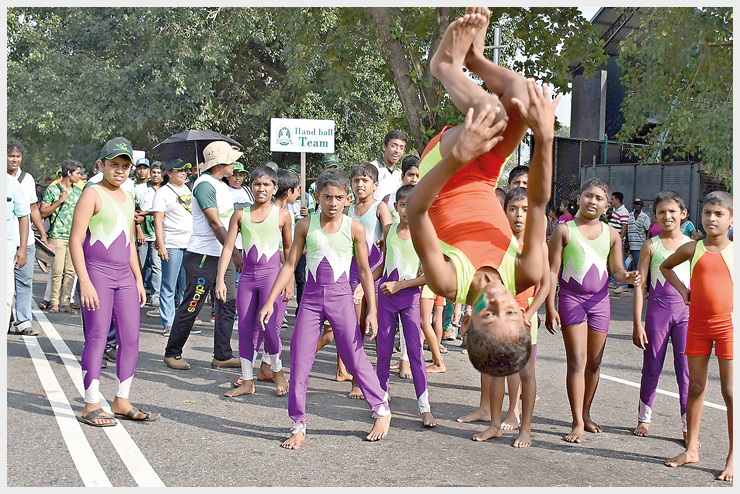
<point>678,67</point>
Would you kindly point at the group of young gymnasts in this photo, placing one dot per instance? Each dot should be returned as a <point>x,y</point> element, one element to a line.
<point>449,233</point>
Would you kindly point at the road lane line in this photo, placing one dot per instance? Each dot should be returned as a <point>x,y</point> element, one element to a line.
<point>140,468</point>
<point>83,456</point>
<point>667,393</point>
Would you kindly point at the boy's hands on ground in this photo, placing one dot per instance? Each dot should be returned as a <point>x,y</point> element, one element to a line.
<point>479,134</point>
<point>88,296</point>
<point>221,290</point>
<point>540,116</point>
<point>358,294</point>
<point>552,321</point>
<point>264,315</point>
<point>639,336</point>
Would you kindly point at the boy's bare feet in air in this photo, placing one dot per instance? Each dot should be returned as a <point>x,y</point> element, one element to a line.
<point>294,441</point>
<point>281,384</point>
<point>480,415</point>
<point>511,423</point>
<point>491,432</point>
<point>643,428</point>
<point>475,53</point>
<point>356,393</point>
<point>437,369</point>
<point>404,369</point>
<point>380,429</point>
<point>455,44</point>
<point>524,439</point>
<point>247,388</point>
<point>576,435</point>
<point>727,472</point>
<point>684,458</point>
<point>264,374</point>
<point>428,419</point>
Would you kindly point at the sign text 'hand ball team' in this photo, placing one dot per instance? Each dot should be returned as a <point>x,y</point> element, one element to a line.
<point>294,135</point>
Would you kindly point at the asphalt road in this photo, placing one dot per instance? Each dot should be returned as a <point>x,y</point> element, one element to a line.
<point>205,439</point>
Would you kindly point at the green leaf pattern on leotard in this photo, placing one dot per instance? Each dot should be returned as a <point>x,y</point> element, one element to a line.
<point>580,253</point>
<point>113,218</point>
<point>337,248</point>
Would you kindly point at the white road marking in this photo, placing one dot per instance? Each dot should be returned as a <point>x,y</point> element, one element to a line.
<point>84,458</point>
<point>141,470</point>
<point>667,393</point>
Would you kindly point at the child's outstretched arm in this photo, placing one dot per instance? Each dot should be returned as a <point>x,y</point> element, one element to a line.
<point>558,240</point>
<point>540,117</point>
<point>543,290</point>
<point>286,272</point>
<point>366,279</point>
<point>616,264</point>
<point>682,254</point>
<point>235,225</point>
<point>386,220</point>
<point>639,336</point>
<point>479,135</point>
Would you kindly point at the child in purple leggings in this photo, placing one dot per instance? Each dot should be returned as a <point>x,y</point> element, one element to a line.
<point>264,228</point>
<point>107,264</point>
<point>330,238</point>
<point>667,315</point>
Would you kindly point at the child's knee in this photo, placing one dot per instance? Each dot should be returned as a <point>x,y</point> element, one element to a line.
<point>696,387</point>
<point>517,88</point>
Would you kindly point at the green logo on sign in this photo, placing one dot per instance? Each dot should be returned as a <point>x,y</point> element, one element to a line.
<point>284,137</point>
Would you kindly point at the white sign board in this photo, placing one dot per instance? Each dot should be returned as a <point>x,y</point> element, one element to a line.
<point>138,154</point>
<point>294,135</point>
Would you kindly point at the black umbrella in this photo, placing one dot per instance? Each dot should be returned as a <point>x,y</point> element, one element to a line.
<point>189,144</point>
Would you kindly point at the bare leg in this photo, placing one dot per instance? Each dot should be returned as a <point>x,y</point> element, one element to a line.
<point>497,401</point>
<point>437,316</point>
<point>575,338</point>
<point>356,393</point>
<point>326,338</point>
<point>483,413</point>
<point>512,416</point>
<point>529,392</point>
<point>264,373</point>
<point>725,375</point>
<point>594,352</point>
<point>438,365</point>
<point>694,408</point>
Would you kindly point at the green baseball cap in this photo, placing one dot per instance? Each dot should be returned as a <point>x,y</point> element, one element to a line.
<point>156,165</point>
<point>272,165</point>
<point>117,146</point>
<point>175,164</point>
<point>295,168</point>
<point>330,159</point>
<point>238,167</point>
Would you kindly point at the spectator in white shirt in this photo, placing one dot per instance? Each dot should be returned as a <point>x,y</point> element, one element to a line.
<point>389,172</point>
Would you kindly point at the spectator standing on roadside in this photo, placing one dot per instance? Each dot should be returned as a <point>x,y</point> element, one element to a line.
<point>17,228</point>
<point>618,220</point>
<point>389,175</point>
<point>638,226</point>
<point>151,265</point>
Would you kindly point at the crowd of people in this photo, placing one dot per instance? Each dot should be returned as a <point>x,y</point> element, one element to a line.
<point>424,247</point>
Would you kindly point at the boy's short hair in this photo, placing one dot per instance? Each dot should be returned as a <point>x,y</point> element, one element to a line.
<point>408,162</point>
<point>719,197</point>
<point>14,144</point>
<point>404,191</point>
<point>669,195</point>
<point>69,165</point>
<point>516,171</point>
<point>619,196</point>
<point>394,134</point>
<point>335,177</point>
<point>515,194</point>
<point>498,356</point>
<point>286,180</point>
<point>597,182</point>
<point>263,171</point>
<point>364,169</point>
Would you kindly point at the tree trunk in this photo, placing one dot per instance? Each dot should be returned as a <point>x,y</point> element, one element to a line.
<point>394,54</point>
<point>427,79</point>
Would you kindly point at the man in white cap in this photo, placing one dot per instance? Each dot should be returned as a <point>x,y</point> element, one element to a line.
<point>212,209</point>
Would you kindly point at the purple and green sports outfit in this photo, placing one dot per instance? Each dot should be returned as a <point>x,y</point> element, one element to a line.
<point>327,297</point>
<point>401,264</point>
<point>667,316</point>
<point>262,244</point>
<point>584,281</point>
<point>107,250</point>
<point>373,233</point>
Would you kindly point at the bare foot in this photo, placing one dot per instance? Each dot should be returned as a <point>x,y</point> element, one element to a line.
<point>247,388</point>
<point>428,419</point>
<point>264,374</point>
<point>437,369</point>
<point>523,440</point>
<point>404,369</point>
<point>396,365</point>
<point>475,53</point>
<point>684,458</point>
<point>455,44</point>
<point>727,472</point>
<point>480,415</point>
<point>492,431</point>
<point>281,384</point>
<point>511,423</point>
<point>591,426</point>
<point>685,438</point>
<point>294,441</point>
<point>343,376</point>
<point>442,349</point>
<point>356,393</point>
<point>380,429</point>
<point>575,436</point>
<point>642,429</point>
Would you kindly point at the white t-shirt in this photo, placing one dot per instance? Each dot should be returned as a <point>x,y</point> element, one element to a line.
<point>214,193</point>
<point>177,225</point>
<point>28,185</point>
<point>388,181</point>
<point>127,186</point>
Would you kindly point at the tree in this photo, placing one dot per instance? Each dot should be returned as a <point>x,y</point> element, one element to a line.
<point>678,67</point>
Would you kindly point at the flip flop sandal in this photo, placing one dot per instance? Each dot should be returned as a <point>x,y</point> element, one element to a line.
<point>74,306</point>
<point>54,309</point>
<point>238,382</point>
<point>43,305</point>
<point>150,417</point>
<point>97,414</point>
<point>67,309</point>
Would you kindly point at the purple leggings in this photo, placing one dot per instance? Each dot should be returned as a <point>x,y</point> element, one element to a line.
<point>407,305</point>
<point>332,302</point>
<point>119,300</point>
<point>664,318</point>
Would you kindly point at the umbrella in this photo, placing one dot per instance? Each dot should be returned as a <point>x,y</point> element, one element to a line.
<point>188,144</point>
